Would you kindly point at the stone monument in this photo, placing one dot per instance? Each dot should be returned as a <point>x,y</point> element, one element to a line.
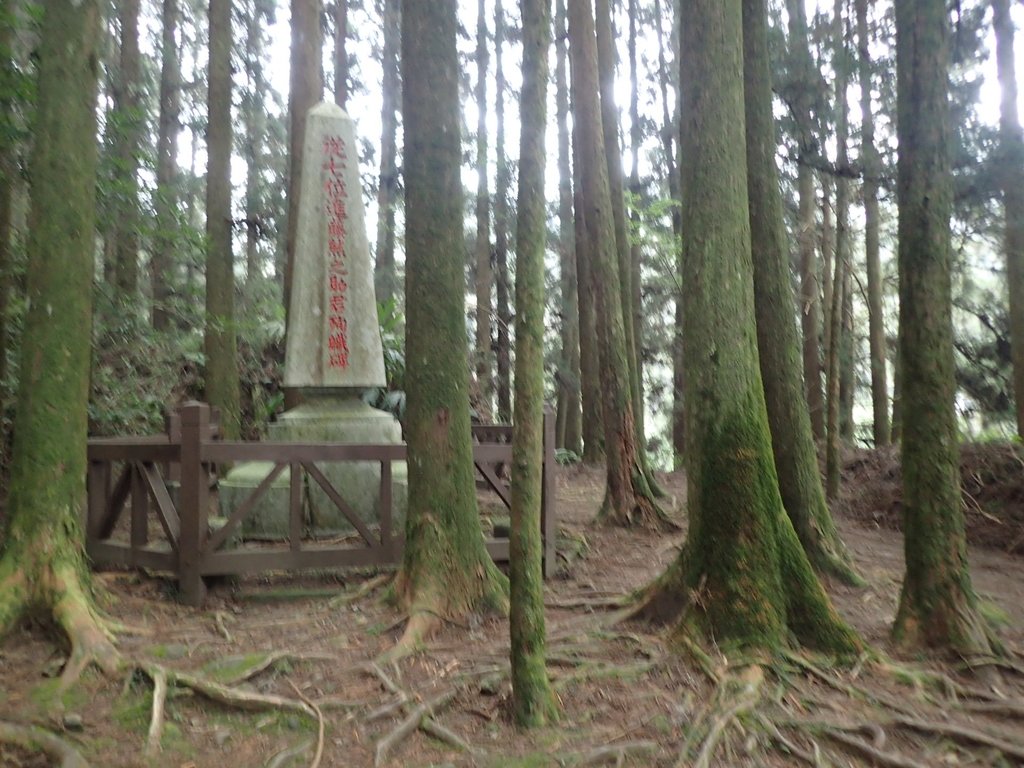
<point>333,345</point>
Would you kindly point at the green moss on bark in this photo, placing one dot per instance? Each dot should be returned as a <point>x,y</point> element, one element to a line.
<point>446,571</point>
<point>742,578</point>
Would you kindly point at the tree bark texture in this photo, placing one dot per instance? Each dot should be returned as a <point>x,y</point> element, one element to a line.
<point>938,607</point>
<point>628,498</point>
<point>810,286</point>
<point>43,569</point>
<point>446,571</point>
<point>796,460</point>
<point>221,345</point>
<point>754,584</point>
<point>533,701</point>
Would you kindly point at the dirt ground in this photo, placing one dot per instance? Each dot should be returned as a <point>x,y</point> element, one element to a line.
<point>626,693</point>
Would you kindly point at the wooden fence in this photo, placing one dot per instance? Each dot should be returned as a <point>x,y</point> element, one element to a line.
<point>132,474</point>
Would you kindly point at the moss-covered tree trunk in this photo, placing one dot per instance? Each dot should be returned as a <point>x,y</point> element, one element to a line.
<point>503,182</point>
<point>446,571</point>
<point>742,577</point>
<point>570,429</point>
<point>871,164</point>
<point>165,200</point>
<point>1011,150</point>
<point>937,605</point>
<point>43,569</point>
<point>484,273</point>
<point>341,53</point>
<point>796,461</point>
<point>832,381</point>
<point>628,498</point>
<point>8,178</point>
<point>533,702</point>
<point>221,345</point>
<point>802,69</point>
<point>385,275</point>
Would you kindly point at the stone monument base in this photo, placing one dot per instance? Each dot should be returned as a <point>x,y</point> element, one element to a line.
<point>322,418</point>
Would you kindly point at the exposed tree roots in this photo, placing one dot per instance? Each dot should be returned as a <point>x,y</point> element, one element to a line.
<point>35,739</point>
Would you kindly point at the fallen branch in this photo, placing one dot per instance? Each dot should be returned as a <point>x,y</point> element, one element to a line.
<point>37,739</point>
<point>410,725</point>
<point>156,720</point>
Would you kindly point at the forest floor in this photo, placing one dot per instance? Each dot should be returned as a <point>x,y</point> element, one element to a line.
<point>628,695</point>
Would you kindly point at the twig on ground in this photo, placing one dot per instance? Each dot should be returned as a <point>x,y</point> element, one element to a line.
<point>320,724</point>
<point>38,739</point>
<point>156,721</point>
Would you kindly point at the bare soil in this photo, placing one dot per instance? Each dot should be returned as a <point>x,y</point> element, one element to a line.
<point>621,686</point>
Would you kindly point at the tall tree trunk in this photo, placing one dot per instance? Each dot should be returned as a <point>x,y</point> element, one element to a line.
<point>385,274</point>
<point>810,287</point>
<point>1011,150</point>
<point>832,378</point>
<point>827,244</point>
<point>446,572</point>
<point>869,159</point>
<point>628,498</point>
<point>590,355</point>
<point>635,189</point>
<point>165,203</point>
<point>844,337</point>
<point>340,53</point>
<point>43,570</point>
<point>570,413</point>
<point>533,702</point>
<point>128,106</point>
<point>484,277</point>
<point>8,179</point>
<point>222,388</point>
<point>501,215</point>
<point>796,461</point>
<point>616,182</point>
<point>742,555</point>
<point>938,607</point>
<point>254,117</point>
<point>305,89</point>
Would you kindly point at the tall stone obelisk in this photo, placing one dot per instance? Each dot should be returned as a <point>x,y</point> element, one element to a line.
<point>333,348</point>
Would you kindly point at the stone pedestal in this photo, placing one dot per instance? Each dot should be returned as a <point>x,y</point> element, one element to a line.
<point>322,419</point>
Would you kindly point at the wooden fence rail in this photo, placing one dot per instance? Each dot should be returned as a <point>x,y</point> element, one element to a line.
<point>133,474</point>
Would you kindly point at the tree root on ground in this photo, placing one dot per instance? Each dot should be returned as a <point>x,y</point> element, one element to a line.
<point>318,755</point>
<point>875,754</point>
<point>615,754</point>
<point>35,739</point>
<point>735,695</point>
<point>420,717</point>
<point>366,588</point>
<point>958,733</point>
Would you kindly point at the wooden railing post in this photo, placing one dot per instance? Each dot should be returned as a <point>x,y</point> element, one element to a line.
<point>548,521</point>
<point>195,427</point>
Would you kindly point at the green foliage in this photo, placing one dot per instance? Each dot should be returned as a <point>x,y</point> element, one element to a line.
<point>565,457</point>
<point>391,397</point>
